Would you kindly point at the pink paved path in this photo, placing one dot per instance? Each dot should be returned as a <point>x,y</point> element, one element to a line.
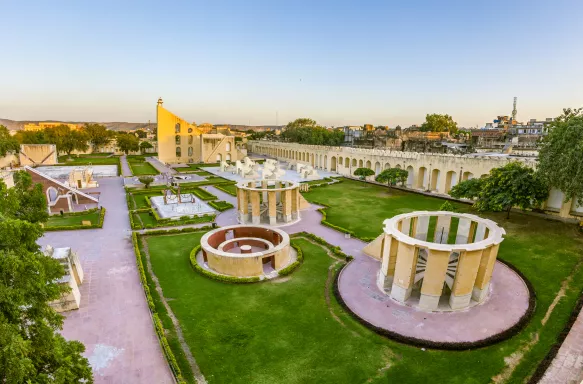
<point>113,322</point>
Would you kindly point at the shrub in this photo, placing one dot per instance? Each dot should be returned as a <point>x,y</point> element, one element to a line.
<point>146,180</point>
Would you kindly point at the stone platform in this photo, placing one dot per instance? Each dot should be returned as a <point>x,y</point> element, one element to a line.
<point>507,303</point>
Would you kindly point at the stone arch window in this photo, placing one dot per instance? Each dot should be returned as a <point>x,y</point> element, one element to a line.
<point>190,161</point>
<point>219,158</point>
<point>228,157</point>
<point>178,152</point>
<point>189,130</point>
<point>228,149</point>
<point>189,151</point>
<point>177,139</point>
<point>190,138</point>
<point>177,128</point>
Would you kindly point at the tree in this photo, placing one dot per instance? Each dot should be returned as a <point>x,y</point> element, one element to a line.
<point>127,143</point>
<point>32,349</point>
<point>141,134</point>
<point>469,189</point>
<point>363,173</point>
<point>307,131</point>
<point>7,143</point>
<point>439,123</point>
<point>97,135</point>
<point>66,139</point>
<point>145,145</point>
<point>24,201</point>
<point>392,176</point>
<point>561,154</point>
<point>513,185</point>
<point>146,180</point>
<point>447,206</point>
<point>31,137</point>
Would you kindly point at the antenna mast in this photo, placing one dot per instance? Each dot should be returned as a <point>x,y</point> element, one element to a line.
<point>514,109</point>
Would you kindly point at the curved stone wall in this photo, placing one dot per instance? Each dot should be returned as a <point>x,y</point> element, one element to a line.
<point>246,250</point>
<point>259,202</point>
<point>437,254</point>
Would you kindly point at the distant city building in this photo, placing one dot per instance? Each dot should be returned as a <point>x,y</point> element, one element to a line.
<point>43,125</point>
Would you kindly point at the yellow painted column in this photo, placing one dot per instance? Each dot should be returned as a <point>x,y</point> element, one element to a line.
<point>404,272</point>
<point>255,212</point>
<point>433,279</point>
<point>482,283</point>
<point>272,200</point>
<point>245,203</point>
<point>294,203</point>
<point>389,247</point>
<point>286,203</point>
<point>239,205</point>
<point>467,270</point>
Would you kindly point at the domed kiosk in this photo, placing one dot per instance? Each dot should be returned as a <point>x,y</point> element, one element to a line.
<point>246,251</point>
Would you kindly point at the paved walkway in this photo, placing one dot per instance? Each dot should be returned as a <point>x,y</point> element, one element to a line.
<point>125,167</point>
<point>161,167</point>
<point>113,322</point>
<point>567,367</point>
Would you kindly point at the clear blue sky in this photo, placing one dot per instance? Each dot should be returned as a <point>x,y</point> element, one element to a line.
<point>341,63</point>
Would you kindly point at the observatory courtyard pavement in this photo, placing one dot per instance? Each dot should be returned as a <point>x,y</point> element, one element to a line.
<point>113,321</point>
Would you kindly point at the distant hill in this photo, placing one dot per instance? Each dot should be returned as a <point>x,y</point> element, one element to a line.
<point>14,125</point>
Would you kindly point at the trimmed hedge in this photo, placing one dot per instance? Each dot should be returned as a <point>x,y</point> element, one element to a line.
<point>221,188</point>
<point>99,224</point>
<point>202,194</point>
<point>449,346</point>
<point>293,266</point>
<point>221,205</point>
<point>336,250</point>
<point>158,327</point>
<point>214,276</point>
<point>181,230</point>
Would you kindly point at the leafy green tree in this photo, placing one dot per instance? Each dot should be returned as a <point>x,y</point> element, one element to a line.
<point>447,206</point>
<point>7,143</point>
<point>66,139</point>
<point>363,173</point>
<point>307,131</point>
<point>25,201</point>
<point>97,135</point>
<point>144,145</point>
<point>146,180</point>
<point>513,185</point>
<point>141,134</point>
<point>31,137</point>
<point>469,189</point>
<point>31,348</point>
<point>127,143</point>
<point>439,123</point>
<point>561,154</point>
<point>392,176</point>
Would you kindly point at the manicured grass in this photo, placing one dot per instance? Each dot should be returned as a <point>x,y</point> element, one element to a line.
<point>221,205</point>
<point>231,189</point>
<point>98,160</point>
<point>140,199</point>
<point>546,251</point>
<point>66,220</point>
<point>141,168</point>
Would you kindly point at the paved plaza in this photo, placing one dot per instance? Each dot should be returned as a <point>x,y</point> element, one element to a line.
<point>113,321</point>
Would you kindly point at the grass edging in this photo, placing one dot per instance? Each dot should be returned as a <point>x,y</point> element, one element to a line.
<point>293,266</point>
<point>220,188</point>
<point>448,346</point>
<point>158,327</point>
<point>335,250</point>
<point>546,362</point>
<point>328,224</point>
<point>99,223</point>
<point>221,207</point>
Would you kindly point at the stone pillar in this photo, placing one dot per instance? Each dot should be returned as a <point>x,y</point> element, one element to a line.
<point>386,274</point>
<point>480,232</point>
<point>404,272</point>
<point>255,208</point>
<point>433,279</point>
<point>272,200</point>
<point>264,193</point>
<point>287,204</point>
<point>484,275</point>
<point>463,231</point>
<point>278,194</point>
<point>463,284</point>
<point>239,205</point>
<point>295,203</point>
<point>422,227</point>
<point>442,229</point>
<point>245,203</point>
<point>472,232</point>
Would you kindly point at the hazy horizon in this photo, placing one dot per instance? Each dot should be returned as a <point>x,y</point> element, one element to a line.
<point>339,63</point>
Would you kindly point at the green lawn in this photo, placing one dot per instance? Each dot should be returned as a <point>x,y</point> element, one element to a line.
<point>85,160</point>
<point>141,167</point>
<point>284,332</point>
<point>66,220</point>
<point>140,199</point>
<point>231,189</point>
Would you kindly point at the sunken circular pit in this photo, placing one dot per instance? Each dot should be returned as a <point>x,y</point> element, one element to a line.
<point>246,251</point>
